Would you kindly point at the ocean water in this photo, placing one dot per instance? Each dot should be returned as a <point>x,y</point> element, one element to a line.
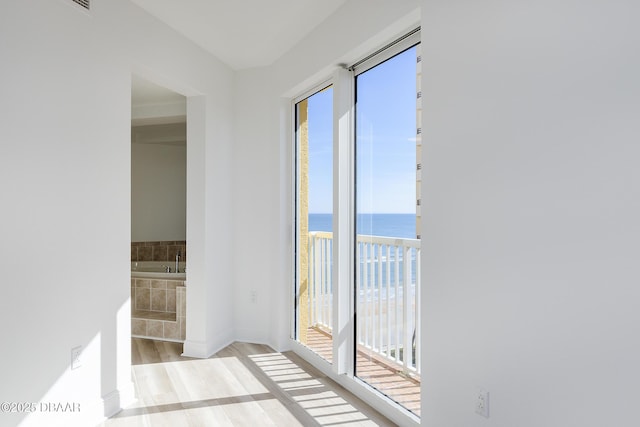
<point>390,225</point>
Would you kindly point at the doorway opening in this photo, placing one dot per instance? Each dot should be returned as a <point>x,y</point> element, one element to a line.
<point>158,211</point>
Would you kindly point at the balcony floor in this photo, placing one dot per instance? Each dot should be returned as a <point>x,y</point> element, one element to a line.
<point>374,371</point>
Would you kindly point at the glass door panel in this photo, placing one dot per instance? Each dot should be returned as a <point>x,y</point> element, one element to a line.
<point>314,210</point>
<point>386,248</point>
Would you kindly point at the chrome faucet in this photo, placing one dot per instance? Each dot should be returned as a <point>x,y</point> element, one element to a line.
<point>177,262</point>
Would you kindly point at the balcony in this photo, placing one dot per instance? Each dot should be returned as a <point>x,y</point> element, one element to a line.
<point>388,311</point>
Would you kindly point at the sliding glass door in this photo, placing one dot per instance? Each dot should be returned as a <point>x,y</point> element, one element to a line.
<point>386,246</point>
<point>314,213</point>
<point>357,286</point>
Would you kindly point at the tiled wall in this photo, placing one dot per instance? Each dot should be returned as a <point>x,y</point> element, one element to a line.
<point>158,309</point>
<point>155,295</point>
<point>158,251</point>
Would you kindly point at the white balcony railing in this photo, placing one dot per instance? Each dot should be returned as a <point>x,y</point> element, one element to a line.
<point>388,300</point>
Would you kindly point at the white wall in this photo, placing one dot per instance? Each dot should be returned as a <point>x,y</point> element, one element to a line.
<point>263,202</point>
<point>530,233</point>
<point>158,192</point>
<point>65,153</point>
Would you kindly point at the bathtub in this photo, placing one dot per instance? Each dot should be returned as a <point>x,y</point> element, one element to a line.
<point>157,270</point>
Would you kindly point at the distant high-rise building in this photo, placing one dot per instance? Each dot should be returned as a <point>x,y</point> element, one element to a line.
<point>418,139</point>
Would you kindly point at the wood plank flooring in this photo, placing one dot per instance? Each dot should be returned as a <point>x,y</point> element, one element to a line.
<point>242,385</point>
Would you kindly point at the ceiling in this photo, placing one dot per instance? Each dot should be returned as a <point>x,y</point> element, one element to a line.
<point>152,104</point>
<point>143,92</point>
<point>243,33</point>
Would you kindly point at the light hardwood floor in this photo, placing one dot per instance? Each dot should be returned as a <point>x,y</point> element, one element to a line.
<point>242,385</point>
<point>375,371</point>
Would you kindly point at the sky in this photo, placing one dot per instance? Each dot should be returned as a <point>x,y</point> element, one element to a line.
<point>385,140</point>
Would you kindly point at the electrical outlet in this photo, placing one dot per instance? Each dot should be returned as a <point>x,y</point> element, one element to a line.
<point>482,403</point>
<point>254,296</point>
<point>75,357</point>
